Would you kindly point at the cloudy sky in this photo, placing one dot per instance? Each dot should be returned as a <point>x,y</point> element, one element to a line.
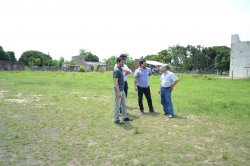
<point>111,27</point>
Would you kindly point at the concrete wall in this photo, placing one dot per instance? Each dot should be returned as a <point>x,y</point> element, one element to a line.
<point>240,58</point>
<point>7,65</point>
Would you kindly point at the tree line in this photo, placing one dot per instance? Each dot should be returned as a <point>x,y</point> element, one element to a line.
<point>189,58</point>
<point>195,58</point>
<point>7,56</point>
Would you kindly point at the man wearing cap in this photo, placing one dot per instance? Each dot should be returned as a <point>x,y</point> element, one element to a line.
<point>168,81</point>
<point>120,99</point>
<point>142,85</point>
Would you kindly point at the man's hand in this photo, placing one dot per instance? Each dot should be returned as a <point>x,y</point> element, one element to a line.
<point>159,91</point>
<point>119,94</point>
<point>127,72</point>
<point>136,89</point>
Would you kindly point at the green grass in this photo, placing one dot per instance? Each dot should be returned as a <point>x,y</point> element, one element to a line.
<point>59,118</point>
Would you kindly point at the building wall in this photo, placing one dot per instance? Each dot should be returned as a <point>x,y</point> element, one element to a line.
<point>7,65</point>
<point>79,60</point>
<point>240,58</point>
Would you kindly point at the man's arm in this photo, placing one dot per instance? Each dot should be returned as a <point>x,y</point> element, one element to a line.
<point>119,94</point>
<point>135,82</point>
<point>173,85</point>
<point>159,91</point>
<point>127,70</point>
<point>149,71</point>
<point>175,79</point>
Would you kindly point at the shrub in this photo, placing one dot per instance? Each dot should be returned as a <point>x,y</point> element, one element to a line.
<point>82,69</point>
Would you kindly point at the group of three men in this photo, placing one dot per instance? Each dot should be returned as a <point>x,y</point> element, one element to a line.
<point>168,81</point>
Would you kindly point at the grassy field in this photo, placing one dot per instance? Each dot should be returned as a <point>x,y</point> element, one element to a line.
<point>59,118</point>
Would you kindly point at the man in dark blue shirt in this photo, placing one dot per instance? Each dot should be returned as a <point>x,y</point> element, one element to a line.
<point>120,97</point>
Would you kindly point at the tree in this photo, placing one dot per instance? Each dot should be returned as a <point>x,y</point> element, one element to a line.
<point>209,54</point>
<point>130,62</point>
<point>222,59</point>
<point>165,56</point>
<point>110,62</point>
<point>55,63</point>
<point>11,55</point>
<point>89,56</point>
<point>179,56</point>
<point>3,55</point>
<point>162,56</point>
<point>37,58</point>
<point>153,58</point>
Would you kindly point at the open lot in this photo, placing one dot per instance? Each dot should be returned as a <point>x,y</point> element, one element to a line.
<point>59,118</point>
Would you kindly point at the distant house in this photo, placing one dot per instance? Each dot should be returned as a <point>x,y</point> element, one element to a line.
<point>153,65</point>
<point>8,65</point>
<point>79,61</point>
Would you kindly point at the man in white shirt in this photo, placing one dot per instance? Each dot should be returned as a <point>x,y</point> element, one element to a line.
<point>168,81</point>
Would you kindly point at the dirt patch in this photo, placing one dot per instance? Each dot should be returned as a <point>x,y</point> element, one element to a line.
<point>76,92</point>
<point>1,154</point>
<point>73,162</point>
<point>23,100</point>
<point>84,98</point>
<point>18,101</point>
<point>55,132</point>
<point>31,161</point>
<point>91,143</point>
<point>2,93</point>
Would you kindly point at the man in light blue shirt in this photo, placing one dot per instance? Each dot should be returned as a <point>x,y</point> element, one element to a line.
<point>142,85</point>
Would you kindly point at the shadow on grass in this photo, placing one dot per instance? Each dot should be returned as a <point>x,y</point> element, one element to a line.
<point>132,107</point>
<point>179,117</point>
<point>134,117</point>
<point>154,114</point>
<point>126,126</point>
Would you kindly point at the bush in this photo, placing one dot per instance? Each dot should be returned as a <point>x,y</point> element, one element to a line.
<point>26,68</point>
<point>82,69</point>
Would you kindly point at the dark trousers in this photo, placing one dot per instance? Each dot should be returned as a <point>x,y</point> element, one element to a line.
<point>146,92</point>
<point>126,91</point>
<point>126,88</point>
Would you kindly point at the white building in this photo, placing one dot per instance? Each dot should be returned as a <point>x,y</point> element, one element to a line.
<point>240,58</point>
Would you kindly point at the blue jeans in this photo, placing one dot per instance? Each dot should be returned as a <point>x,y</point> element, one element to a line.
<point>166,101</point>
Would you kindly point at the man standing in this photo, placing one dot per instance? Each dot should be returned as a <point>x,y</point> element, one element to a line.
<point>126,71</point>
<point>120,99</point>
<point>168,81</point>
<point>142,85</point>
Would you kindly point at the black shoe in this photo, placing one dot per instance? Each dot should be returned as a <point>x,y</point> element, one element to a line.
<point>128,119</point>
<point>151,110</point>
<point>119,122</point>
<point>165,114</point>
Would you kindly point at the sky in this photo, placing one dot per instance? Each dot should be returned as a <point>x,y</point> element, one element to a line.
<point>111,27</point>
